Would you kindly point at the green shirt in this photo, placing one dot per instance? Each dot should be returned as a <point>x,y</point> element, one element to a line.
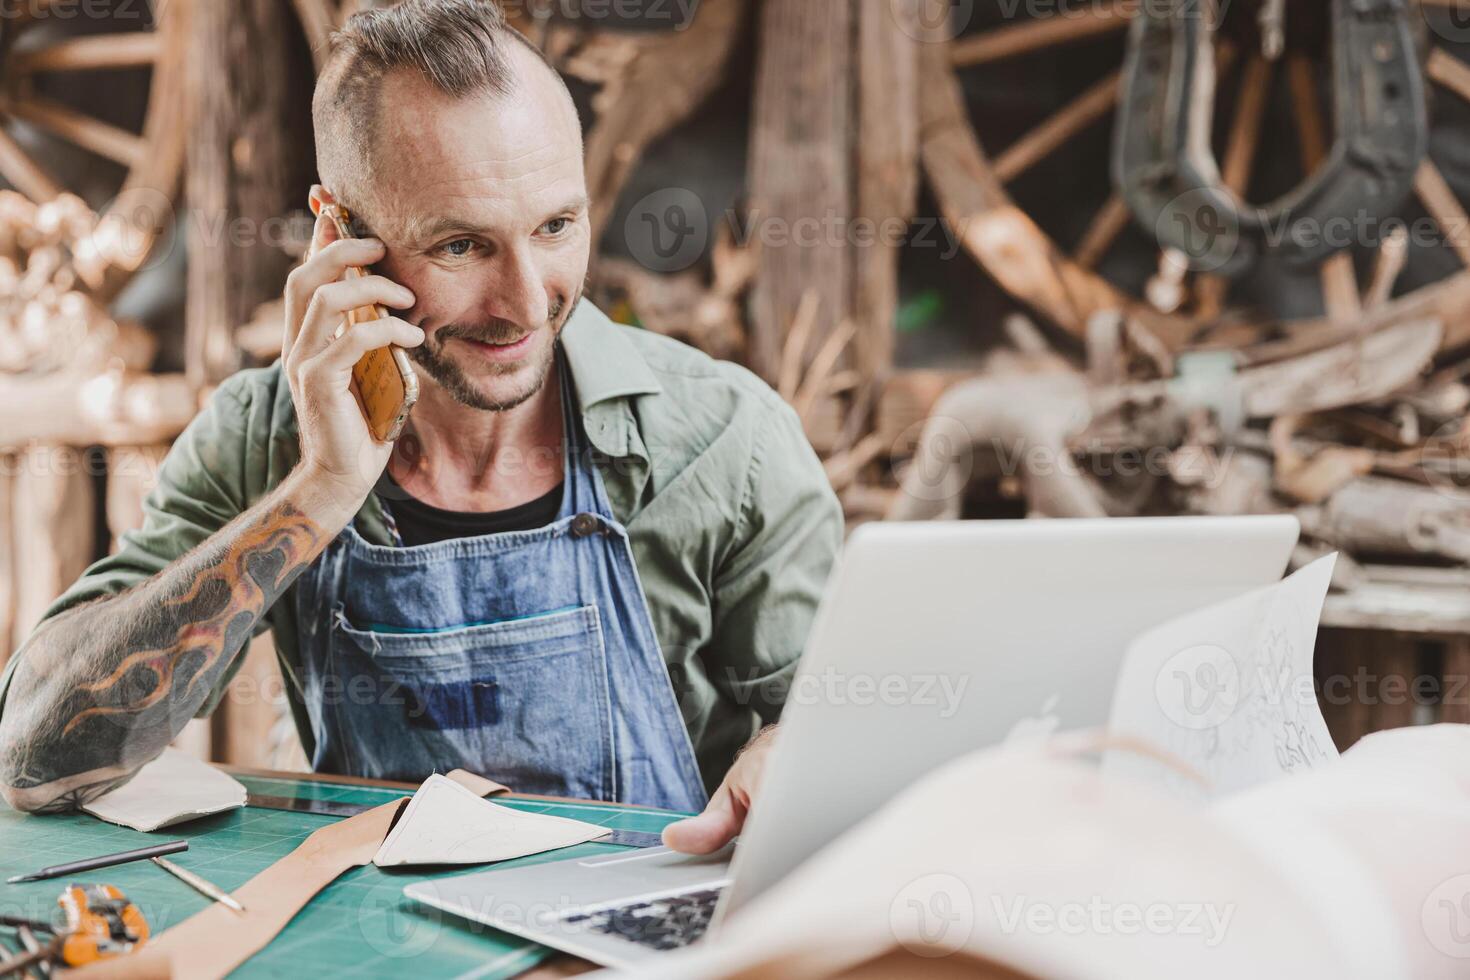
<point>733,524</point>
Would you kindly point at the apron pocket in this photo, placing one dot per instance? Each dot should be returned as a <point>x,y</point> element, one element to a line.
<point>546,634</point>
<point>526,702</point>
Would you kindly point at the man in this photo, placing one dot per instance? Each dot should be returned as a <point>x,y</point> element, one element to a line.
<point>586,569</point>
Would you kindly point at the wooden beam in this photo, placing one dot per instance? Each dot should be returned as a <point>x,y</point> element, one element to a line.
<point>1240,155</point>
<point>1094,103</point>
<point>1036,35</point>
<point>1424,600</point>
<point>887,170</point>
<point>1394,663</point>
<point>23,172</point>
<point>93,51</point>
<point>103,139</point>
<point>1373,366</point>
<point>1392,254</point>
<point>801,169</point>
<point>132,474</point>
<point>243,728</point>
<point>1449,71</point>
<point>248,163</point>
<point>1445,301</point>
<point>1102,231</point>
<point>98,411</point>
<point>1439,199</point>
<point>1341,664</point>
<point>1339,281</point>
<point>1384,516</point>
<point>54,530</point>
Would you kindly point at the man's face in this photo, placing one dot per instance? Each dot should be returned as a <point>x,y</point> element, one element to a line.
<point>483,206</point>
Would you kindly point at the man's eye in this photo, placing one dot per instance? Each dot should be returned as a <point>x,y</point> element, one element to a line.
<point>556,225</point>
<point>459,247</point>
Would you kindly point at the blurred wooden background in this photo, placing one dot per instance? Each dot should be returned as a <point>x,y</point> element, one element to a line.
<point>898,212</point>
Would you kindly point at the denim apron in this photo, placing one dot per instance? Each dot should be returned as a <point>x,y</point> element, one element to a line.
<point>528,656</point>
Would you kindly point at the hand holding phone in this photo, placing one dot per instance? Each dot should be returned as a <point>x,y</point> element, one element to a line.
<point>345,417</point>
<point>383,379</point>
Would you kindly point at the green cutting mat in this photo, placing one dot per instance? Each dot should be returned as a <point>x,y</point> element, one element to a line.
<point>360,926</point>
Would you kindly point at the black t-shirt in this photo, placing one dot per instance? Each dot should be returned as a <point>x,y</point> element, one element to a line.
<point>421,523</point>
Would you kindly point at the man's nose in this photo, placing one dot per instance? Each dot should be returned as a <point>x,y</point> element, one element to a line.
<point>518,293</point>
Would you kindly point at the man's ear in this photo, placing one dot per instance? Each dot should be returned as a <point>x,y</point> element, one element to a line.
<point>323,232</point>
<point>319,198</point>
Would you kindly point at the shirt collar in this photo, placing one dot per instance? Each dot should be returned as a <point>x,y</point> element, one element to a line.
<point>607,371</point>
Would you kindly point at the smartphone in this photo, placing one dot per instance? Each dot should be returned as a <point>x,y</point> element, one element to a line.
<point>383,380</point>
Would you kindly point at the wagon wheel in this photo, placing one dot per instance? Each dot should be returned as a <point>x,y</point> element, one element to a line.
<point>1069,269</point>
<point>58,135</point>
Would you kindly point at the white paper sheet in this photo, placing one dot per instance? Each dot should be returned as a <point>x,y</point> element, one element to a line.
<point>171,789</point>
<point>1229,690</point>
<point>445,823</point>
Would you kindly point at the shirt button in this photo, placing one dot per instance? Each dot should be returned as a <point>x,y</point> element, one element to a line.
<point>584,525</point>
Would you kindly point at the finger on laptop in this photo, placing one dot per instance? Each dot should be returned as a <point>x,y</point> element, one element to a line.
<point>711,830</point>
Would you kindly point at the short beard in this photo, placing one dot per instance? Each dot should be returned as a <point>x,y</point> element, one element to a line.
<point>451,377</point>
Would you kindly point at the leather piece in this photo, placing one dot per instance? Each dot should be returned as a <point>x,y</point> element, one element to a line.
<point>213,942</point>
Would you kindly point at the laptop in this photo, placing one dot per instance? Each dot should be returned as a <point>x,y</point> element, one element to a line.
<point>932,640</point>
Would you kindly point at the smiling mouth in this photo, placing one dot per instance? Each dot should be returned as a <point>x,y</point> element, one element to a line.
<point>499,352</point>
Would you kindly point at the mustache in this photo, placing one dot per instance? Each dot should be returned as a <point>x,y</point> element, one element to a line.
<point>494,331</point>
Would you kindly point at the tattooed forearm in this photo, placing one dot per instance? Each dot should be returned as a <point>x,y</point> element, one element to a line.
<point>103,688</point>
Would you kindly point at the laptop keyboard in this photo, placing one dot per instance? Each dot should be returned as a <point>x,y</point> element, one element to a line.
<point>659,923</point>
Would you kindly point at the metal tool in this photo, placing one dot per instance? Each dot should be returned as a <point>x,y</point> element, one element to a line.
<point>204,887</point>
<point>325,808</point>
<point>101,923</point>
<point>104,861</point>
<point>333,808</point>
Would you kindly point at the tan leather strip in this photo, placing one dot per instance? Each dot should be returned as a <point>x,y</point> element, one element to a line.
<point>215,941</point>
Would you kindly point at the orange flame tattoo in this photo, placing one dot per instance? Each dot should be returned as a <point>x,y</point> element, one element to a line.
<point>253,572</point>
